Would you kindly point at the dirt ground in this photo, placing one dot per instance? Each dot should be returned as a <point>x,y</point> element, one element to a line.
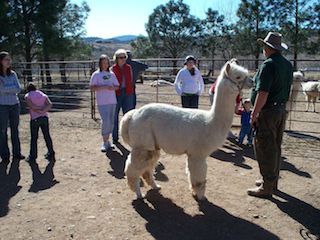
<point>83,194</point>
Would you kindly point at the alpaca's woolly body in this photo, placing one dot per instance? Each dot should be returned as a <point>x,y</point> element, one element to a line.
<point>176,130</point>
<point>312,92</point>
<point>298,77</point>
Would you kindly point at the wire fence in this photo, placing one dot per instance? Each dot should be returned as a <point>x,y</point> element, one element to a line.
<point>67,85</point>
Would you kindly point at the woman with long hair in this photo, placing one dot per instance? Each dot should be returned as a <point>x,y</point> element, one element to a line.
<point>104,83</point>
<point>9,109</point>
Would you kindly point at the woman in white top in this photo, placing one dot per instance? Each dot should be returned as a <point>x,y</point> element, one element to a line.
<point>105,83</point>
<point>189,83</point>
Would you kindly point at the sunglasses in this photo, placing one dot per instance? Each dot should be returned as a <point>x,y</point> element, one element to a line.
<point>122,57</point>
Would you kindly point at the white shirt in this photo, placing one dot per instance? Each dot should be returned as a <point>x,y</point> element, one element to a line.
<point>186,83</point>
<point>104,78</point>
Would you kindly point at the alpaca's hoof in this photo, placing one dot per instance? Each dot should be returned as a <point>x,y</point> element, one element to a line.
<point>199,198</point>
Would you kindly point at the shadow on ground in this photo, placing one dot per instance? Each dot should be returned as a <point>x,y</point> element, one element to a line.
<point>8,184</point>
<point>234,153</point>
<point>118,157</point>
<point>300,211</point>
<point>42,181</point>
<point>166,220</point>
<point>287,166</point>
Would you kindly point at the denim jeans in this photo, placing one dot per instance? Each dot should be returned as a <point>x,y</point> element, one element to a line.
<point>190,101</point>
<point>124,102</point>
<point>245,131</point>
<point>134,98</point>
<point>35,124</point>
<point>9,115</point>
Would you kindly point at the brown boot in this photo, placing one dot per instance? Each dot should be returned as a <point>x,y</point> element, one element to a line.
<point>262,191</point>
<point>259,182</point>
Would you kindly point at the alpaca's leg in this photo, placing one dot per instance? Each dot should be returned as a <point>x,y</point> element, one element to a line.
<point>314,103</point>
<point>133,177</point>
<point>308,102</point>
<point>136,165</point>
<point>197,172</point>
<point>148,174</point>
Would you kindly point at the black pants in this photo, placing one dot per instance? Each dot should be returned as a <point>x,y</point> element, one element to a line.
<point>190,101</point>
<point>43,123</point>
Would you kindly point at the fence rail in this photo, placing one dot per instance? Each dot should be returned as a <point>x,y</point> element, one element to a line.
<point>67,84</point>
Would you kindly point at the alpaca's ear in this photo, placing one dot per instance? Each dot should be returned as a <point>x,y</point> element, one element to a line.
<point>228,67</point>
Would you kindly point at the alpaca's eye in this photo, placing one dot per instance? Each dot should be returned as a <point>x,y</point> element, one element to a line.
<point>238,77</point>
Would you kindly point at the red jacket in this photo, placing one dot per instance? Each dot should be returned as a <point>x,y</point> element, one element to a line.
<point>127,75</point>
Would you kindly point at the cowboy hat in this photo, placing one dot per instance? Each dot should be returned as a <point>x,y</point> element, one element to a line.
<point>273,40</point>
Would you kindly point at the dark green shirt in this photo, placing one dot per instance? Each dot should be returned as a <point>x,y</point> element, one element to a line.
<point>274,76</point>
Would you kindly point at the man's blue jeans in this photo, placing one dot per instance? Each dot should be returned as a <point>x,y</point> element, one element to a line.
<point>124,102</point>
<point>9,116</point>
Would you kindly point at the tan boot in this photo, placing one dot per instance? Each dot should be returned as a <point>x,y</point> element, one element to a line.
<point>262,191</point>
<point>259,182</point>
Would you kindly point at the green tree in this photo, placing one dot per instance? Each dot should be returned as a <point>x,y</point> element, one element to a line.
<point>251,26</point>
<point>39,29</point>
<point>5,33</point>
<point>142,48</point>
<point>22,15</point>
<point>172,29</point>
<point>213,29</point>
<point>291,19</point>
<point>313,20</point>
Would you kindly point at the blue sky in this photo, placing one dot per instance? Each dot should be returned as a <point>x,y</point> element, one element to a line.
<point>120,17</point>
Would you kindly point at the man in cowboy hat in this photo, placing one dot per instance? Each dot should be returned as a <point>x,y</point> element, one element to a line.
<point>269,96</point>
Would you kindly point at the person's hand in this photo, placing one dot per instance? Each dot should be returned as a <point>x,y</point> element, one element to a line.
<point>254,119</point>
<point>38,111</point>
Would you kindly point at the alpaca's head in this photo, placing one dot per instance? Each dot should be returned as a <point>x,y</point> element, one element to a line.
<point>298,76</point>
<point>236,74</point>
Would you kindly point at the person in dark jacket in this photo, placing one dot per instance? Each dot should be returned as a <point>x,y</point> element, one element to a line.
<point>137,68</point>
<point>269,96</point>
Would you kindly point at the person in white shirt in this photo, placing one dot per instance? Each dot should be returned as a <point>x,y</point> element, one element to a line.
<point>189,83</point>
<point>104,82</point>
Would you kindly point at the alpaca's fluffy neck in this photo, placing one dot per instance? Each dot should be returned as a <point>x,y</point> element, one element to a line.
<point>222,110</point>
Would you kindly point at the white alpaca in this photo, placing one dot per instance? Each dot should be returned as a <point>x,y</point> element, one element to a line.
<point>176,130</point>
<point>161,83</point>
<point>312,92</point>
<point>298,77</point>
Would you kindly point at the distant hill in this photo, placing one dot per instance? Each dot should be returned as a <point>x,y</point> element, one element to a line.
<point>118,39</point>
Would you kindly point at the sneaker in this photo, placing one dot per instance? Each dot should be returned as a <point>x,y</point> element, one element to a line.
<point>105,146</point>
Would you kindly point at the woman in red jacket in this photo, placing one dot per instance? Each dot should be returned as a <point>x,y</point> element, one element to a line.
<point>123,72</point>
